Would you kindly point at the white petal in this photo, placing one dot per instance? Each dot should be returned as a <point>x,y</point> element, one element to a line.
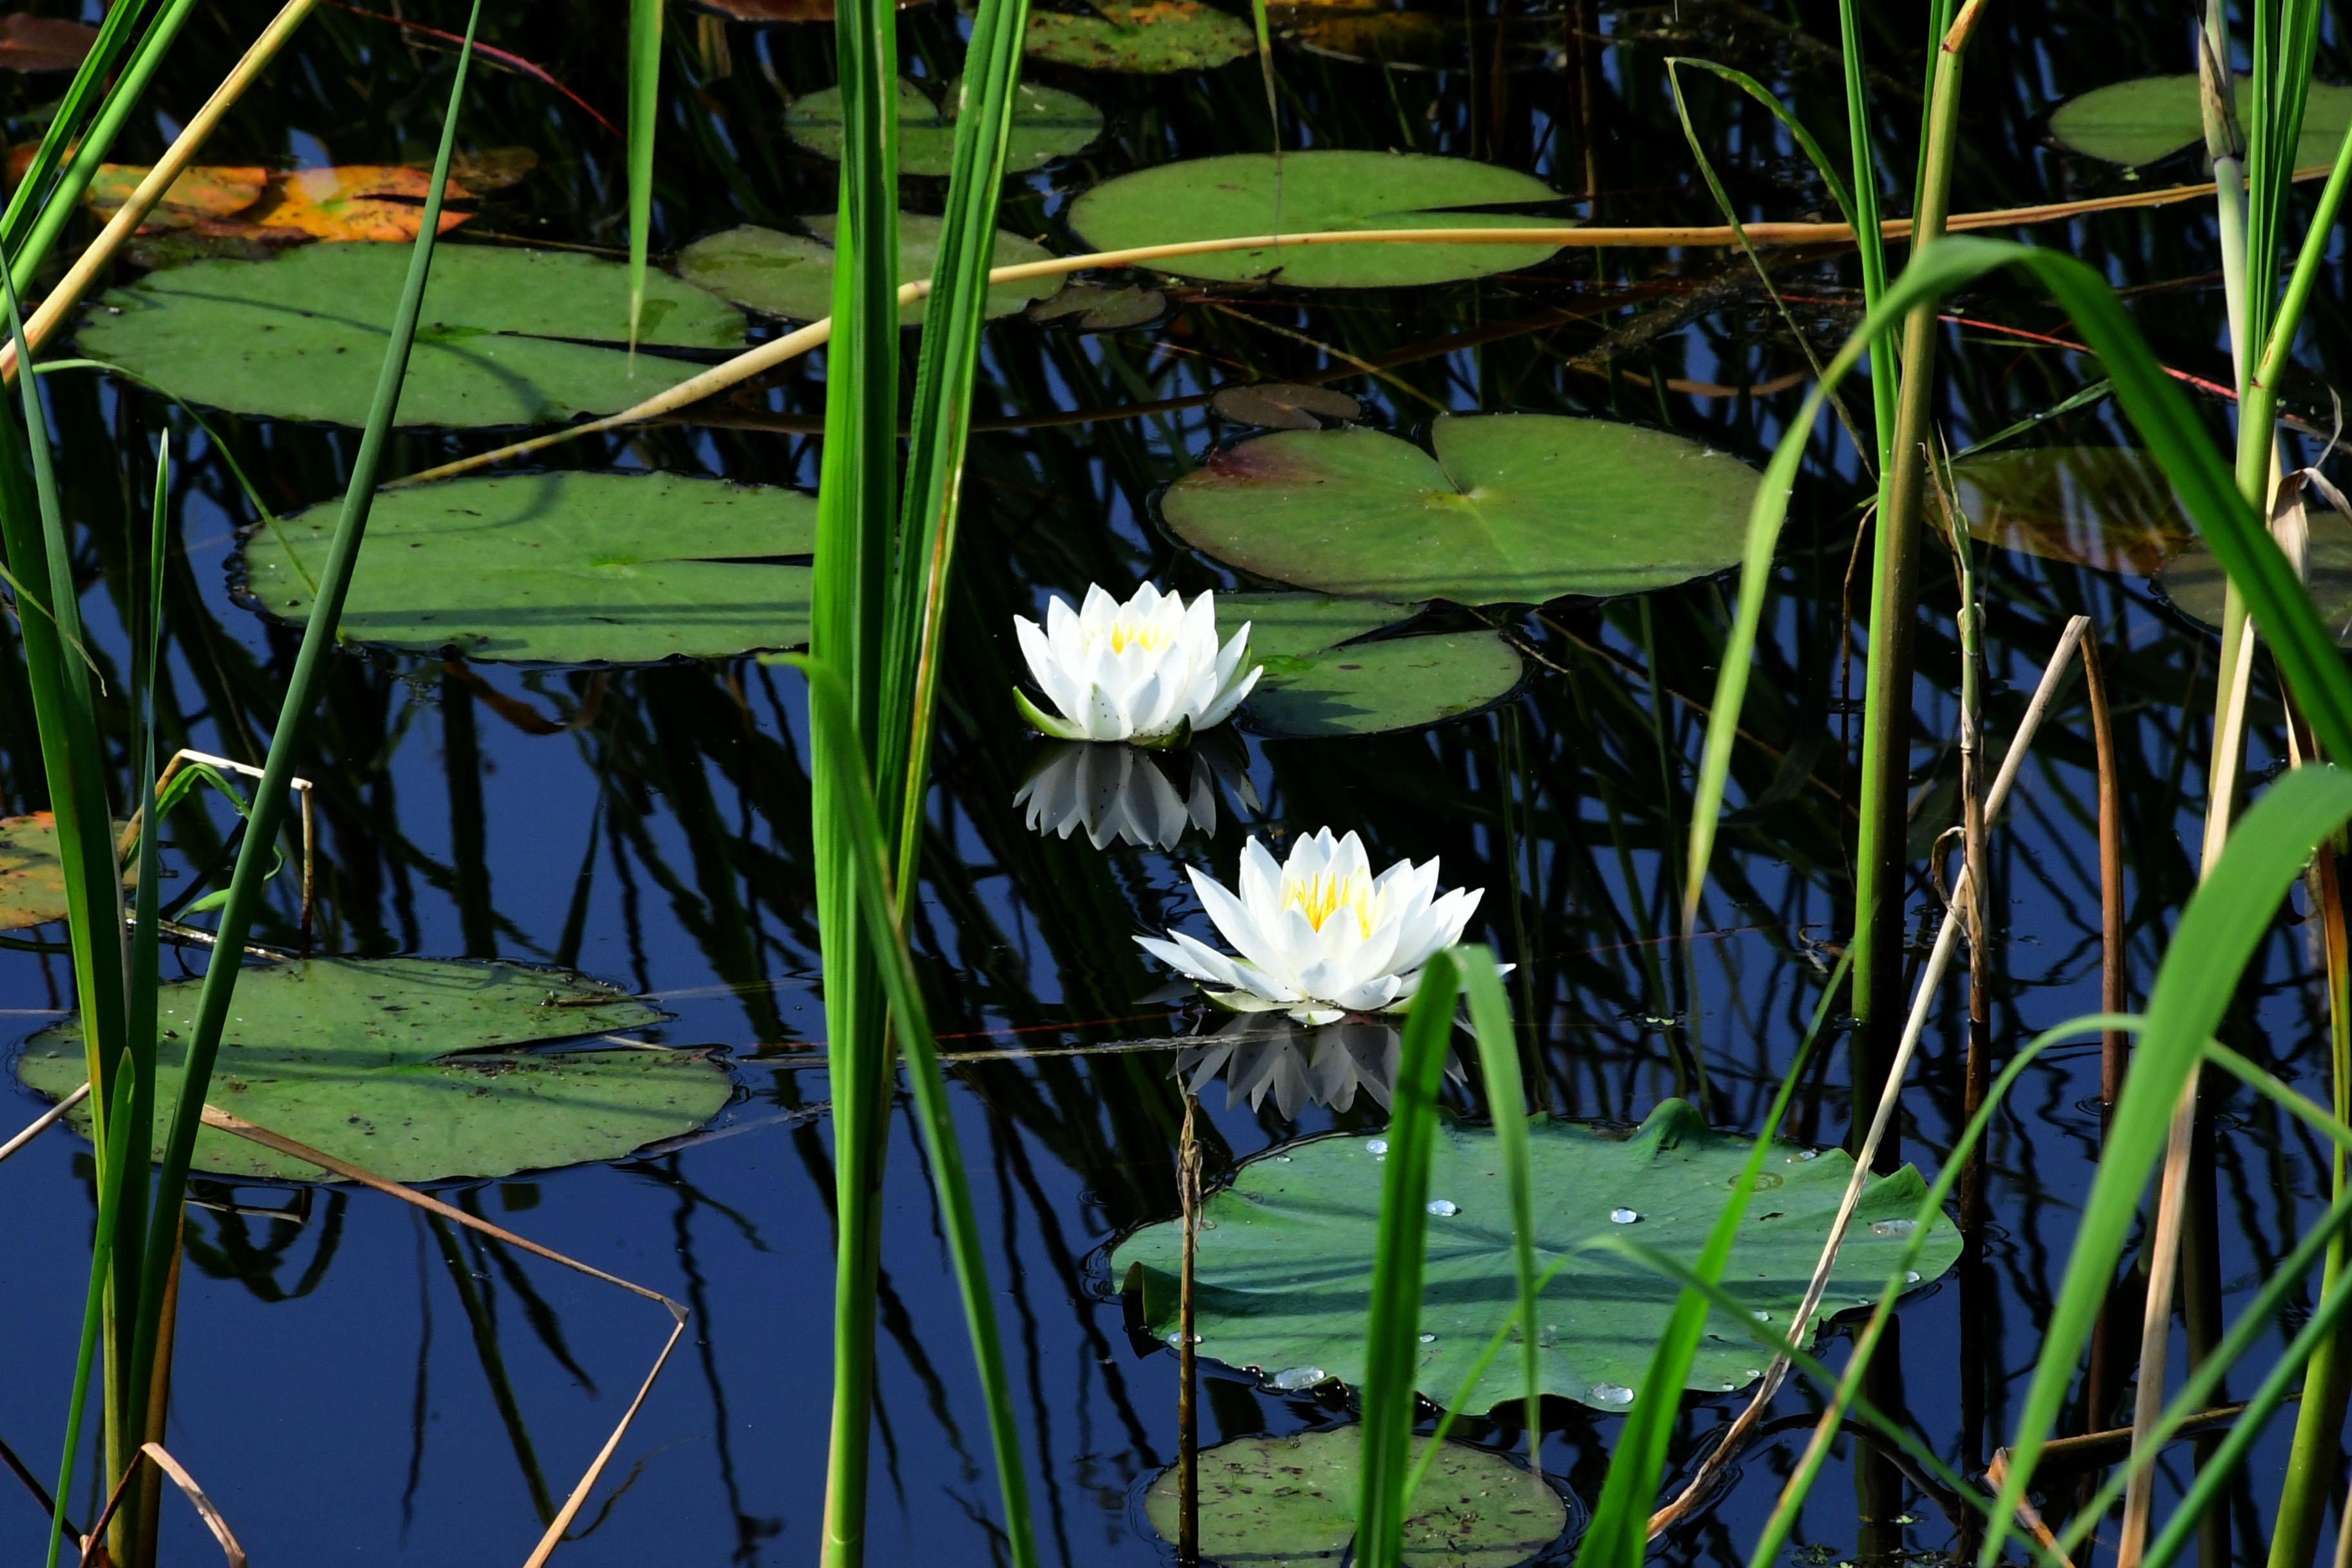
<point>1222,707</point>
<point>1238,926</point>
<point>1261,880</point>
<point>1052,676</point>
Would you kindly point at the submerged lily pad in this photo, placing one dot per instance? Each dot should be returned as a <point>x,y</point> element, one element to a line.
<point>2194,583</point>
<point>1275,1502</point>
<point>1316,686</point>
<point>1144,36</point>
<point>404,1065</point>
<point>2105,507</point>
<point>1514,509</point>
<point>1284,1274</point>
<point>1236,195</point>
<point>507,336</point>
<point>791,275</point>
<point>1285,406</point>
<point>2153,117</point>
<point>559,568</point>
<point>1047,123</point>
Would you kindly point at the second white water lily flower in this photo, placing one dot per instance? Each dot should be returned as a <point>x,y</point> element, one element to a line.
<point>1319,936</point>
<point>1149,671</point>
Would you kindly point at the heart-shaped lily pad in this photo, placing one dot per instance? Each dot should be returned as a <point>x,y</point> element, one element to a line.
<point>405,1066</point>
<point>1287,1502</point>
<point>2152,117</point>
<point>1047,123</point>
<point>1244,193</point>
<point>1143,37</point>
<point>559,568</point>
<point>2194,583</point>
<point>507,336</point>
<point>1316,686</point>
<point>1284,1274</point>
<point>791,275</point>
<point>2105,507</point>
<point>1514,509</point>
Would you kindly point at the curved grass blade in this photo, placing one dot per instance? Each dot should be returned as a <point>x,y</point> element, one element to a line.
<point>258,849</point>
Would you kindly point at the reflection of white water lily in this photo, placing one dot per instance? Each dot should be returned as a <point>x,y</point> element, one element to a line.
<point>1258,1055</point>
<point>1319,936</point>
<point>1148,672</point>
<point>1116,792</point>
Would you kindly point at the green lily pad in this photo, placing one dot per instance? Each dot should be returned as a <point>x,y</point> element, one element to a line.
<point>2153,117</point>
<point>1318,682</point>
<point>1047,123</point>
<point>1514,509</point>
<point>507,336</point>
<point>404,1065</point>
<point>559,568</point>
<point>791,275</point>
<point>2194,583</point>
<point>1143,36</point>
<point>32,877</point>
<point>1236,195</point>
<point>1286,1503</point>
<point>1283,1274</point>
<point>2105,507</point>
<point>1091,308</point>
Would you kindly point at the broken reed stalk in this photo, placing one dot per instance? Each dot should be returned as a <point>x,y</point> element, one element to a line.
<point>792,345</point>
<point>159,1465</point>
<point>62,299</point>
<point>2113,990</point>
<point>1931,979</point>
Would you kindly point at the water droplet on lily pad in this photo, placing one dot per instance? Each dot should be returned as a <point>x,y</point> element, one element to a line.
<point>1429,1339</point>
<point>1290,1379</point>
<point>1910,1277</point>
<point>1443,1208</point>
<point>1623,1217</point>
<point>1761,1316</point>
<point>1613,1394</point>
<point>1377,1146</point>
<point>1892,1227</point>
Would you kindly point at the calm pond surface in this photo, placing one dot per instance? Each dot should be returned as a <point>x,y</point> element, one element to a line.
<point>354,1384</point>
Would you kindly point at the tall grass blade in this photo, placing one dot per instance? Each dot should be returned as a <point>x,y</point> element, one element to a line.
<point>1506,1102</point>
<point>870,872</point>
<point>644,112</point>
<point>257,851</point>
<point>1391,1344</point>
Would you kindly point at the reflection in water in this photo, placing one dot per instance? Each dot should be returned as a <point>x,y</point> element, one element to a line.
<point>1258,1053</point>
<point>1121,792</point>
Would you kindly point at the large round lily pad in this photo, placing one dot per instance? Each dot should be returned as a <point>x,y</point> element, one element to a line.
<point>559,568</point>
<point>1318,682</point>
<point>1236,195</point>
<point>1286,1502</point>
<point>404,1065</point>
<point>1047,123</point>
<point>791,275</point>
<point>506,336</point>
<point>2105,507</point>
<point>1514,509</point>
<point>1143,37</point>
<point>2152,117</point>
<point>1284,1274</point>
<point>2194,583</point>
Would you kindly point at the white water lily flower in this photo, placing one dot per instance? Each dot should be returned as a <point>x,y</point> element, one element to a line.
<point>1149,671</point>
<point>1319,936</point>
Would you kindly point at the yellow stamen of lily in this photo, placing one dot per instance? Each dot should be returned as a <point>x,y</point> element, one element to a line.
<point>1324,894</point>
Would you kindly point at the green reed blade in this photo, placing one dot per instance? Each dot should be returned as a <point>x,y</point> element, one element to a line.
<point>2219,932</point>
<point>123,96</point>
<point>1506,1102</point>
<point>644,111</point>
<point>847,607</point>
<point>2167,422</point>
<point>1392,1330</point>
<point>115,1175</point>
<point>1620,1532</point>
<point>259,848</point>
<point>953,319</point>
<point>1870,244</point>
<point>870,871</point>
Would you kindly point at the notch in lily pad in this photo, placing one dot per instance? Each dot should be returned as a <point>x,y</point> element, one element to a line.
<point>557,568</point>
<point>1508,509</point>
<point>1243,194</point>
<point>1047,123</point>
<point>1283,1268</point>
<point>791,275</point>
<point>417,1069</point>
